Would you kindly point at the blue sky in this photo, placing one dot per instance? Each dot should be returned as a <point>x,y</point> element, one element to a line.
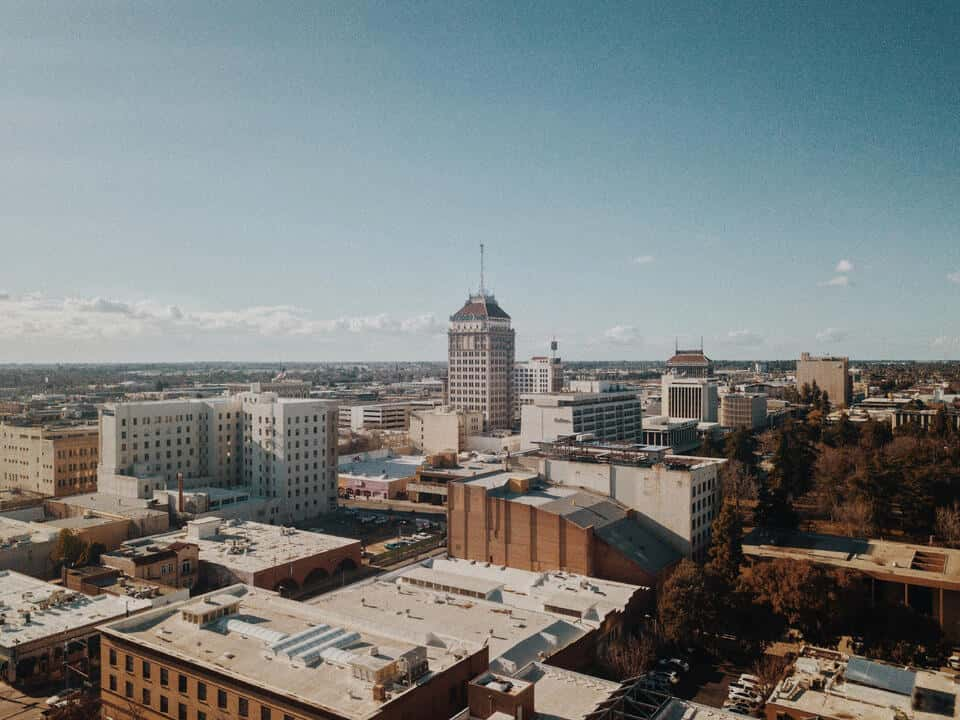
<point>229,180</point>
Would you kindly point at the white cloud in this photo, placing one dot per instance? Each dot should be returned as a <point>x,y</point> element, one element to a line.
<point>954,277</point>
<point>37,317</point>
<point>838,281</point>
<point>945,341</point>
<point>832,335</point>
<point>643,259</point>
<point>844,266</point>
<point>744,337</point>
<point>621,334</point>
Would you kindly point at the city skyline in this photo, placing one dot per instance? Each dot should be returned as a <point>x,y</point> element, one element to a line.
<point>312,184</point>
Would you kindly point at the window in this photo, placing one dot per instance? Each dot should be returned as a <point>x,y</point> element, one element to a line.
<point>128,689</point>
<point>201,715</point>
<point>164,677</point>
<point>181,711</point>
<point>264,713</point>
<point>202,691</point>
<point>113,683</point>
<point>128,663</point>
<point>164,704</point>
<point>146,670</point>
<point>243,707</point>
<point>182,683</point>
<point>146,697</point>
<point>113,657</point>
<point>222,699</point>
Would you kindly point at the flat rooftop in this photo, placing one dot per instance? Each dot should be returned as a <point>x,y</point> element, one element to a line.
<point>563,694</point>
<point>278,645</point>
<point>115,504</point>
<point>248,546</point>
<point>457,603</point>
<point>15,531</point>
<point>35,609</point>
<point>859,688</point>
<point>924,564</point>
<point>402,466</point>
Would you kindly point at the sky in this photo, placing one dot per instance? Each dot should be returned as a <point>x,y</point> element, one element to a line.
<point>311,182</point>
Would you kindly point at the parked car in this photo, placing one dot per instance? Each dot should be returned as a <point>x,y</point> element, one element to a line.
<point>679,664</point>
<point>739,693</point>
<point>953,662</point>
<point>670,675</point>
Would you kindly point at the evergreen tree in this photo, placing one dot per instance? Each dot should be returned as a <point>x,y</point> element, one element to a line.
<point>726,545</point>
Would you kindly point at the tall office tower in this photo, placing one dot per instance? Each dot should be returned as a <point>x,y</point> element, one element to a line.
<point>480,359</point>
<point>831,374</point>
<point>688,389</point>
<point>278,447</point>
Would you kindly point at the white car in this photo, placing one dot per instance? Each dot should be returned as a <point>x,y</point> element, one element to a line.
<point>751,678</point>
<point>744,696</point>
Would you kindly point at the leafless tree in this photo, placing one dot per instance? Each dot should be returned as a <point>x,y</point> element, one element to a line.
<point>947,524</point>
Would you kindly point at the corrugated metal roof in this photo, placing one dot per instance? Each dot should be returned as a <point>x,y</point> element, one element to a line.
<point>885,677</point>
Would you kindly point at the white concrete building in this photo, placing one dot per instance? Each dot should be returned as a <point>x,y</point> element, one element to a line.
<point>539,374</point>
<point>433,431</point>
<point>689,397</point>
<point>676,497</point>
<point>278,447</point>
<point>377,416</point>
<point>608,416</point>
<point>481,361</point>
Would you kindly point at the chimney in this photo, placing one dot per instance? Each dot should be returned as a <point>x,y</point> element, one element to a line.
<point>179,492</point>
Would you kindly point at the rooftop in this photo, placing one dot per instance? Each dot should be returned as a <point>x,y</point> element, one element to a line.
<point>388,468</point>
<point>563,694</point>
<point>34,609</point>
<point>248,546</point>
<point>925,564</point>
<point>480,307</point>
<point>102,502</point>
<point>827,684</point>
<point>459,603</point>
<point>296,650</point>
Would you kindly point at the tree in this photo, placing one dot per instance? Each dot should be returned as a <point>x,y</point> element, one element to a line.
<point>770,669</point>
<point>737,482</point>
<point>741,446</point>
<point>854,517</point>
<point>81,707</point>
<point>877,435</point>
<point>726,546</point>
<point>947,524</point>
<point>685,607</point>
<point>774,510</point>
<point>70,550</point>
<point>805,595</point>
<point>629,656</point>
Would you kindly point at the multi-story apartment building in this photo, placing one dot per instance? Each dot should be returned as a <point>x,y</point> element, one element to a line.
<point>831,374</point>
<point>676,497</point>
<point>481,361</point>
<point>278,447</point>
<point>743,410</point>
<point>608,416</point>
<point>539,374</point>
<point>50,460</point>
<point>433,431</point>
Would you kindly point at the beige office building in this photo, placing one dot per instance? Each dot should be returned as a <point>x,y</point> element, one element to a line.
<point>434,431</point>
<point>831,374</point>
<point>49,460</point>
<point>743,410</point>
<point>481,361</point>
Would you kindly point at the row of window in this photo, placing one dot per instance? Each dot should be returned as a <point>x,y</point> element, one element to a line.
<point>183,688</point>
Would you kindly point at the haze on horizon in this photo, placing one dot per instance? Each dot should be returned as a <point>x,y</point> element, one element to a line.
<point>199,181</point>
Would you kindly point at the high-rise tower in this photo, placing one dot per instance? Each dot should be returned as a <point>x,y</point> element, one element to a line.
<point>480,358</point>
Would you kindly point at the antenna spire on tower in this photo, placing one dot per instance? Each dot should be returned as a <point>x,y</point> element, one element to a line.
<point>483,289</point>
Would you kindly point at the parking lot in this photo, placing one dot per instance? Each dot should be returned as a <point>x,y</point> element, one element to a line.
<point>376,526</point>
